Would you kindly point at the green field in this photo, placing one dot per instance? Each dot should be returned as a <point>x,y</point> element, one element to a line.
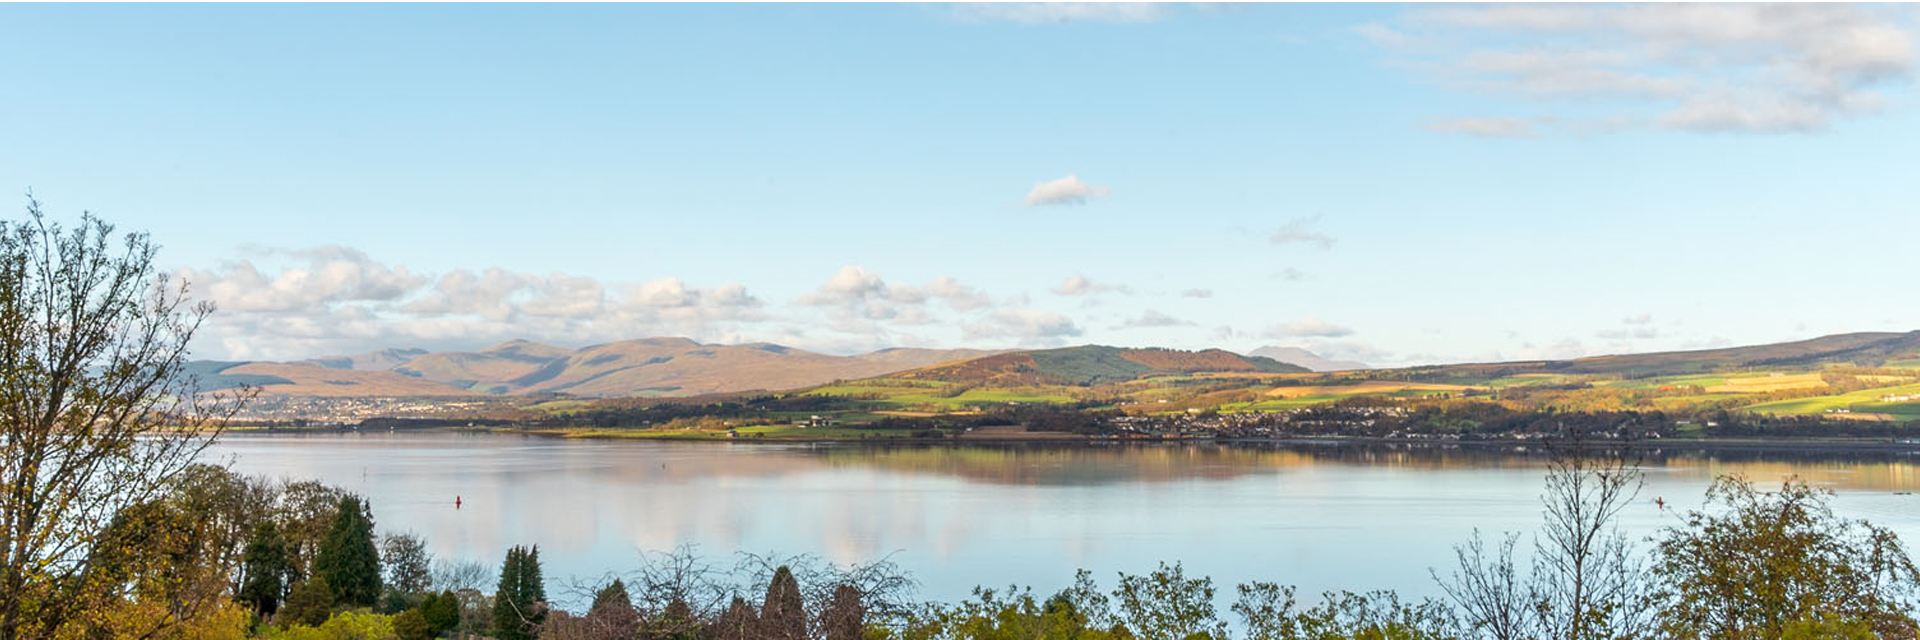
<point>1904,364</point>
<point>1863,401</point>
<point>938,396</point>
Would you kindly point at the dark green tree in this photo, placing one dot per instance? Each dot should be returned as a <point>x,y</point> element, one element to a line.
<point>519,603</point>
<point>348,559</point>
<point>613,611</point>
<point>441,611</point>
<point>782,615</point>
<point>612,597</point>
<point>310,603</point>
<point>268,566</point>
<point>531,582</point>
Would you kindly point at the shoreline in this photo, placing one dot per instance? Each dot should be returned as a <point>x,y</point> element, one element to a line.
<point>1837,445</point>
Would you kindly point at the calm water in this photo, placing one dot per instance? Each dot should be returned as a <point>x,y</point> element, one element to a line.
<point>1318,516</point>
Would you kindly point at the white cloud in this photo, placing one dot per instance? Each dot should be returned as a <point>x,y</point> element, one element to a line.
<point>960,297</point>
<point>325,275</point>
<point>1639,333</point>
<point>1644,318</point>
<point>1308,328</point>
<point>1197,293</point>
<point>336,300</point>
<point>1151,318</point>
<point>855,291</point>
<point>1059,12</point>
<point>1350,350</point>
<point>1028,326</point>
<point>1381,35</point>
<point>1486,127</point>
<point>1224,333</point>
<point>1068,190</point>
<point>1299,231</point>
<point>1564,349</point>
<point>1766,68</point>
<point>1079,285</point>
<point>1715,342</point>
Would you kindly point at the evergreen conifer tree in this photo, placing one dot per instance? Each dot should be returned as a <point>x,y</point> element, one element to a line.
<point>268,566</point>
<point>519,603</point>
<point>348,558</point>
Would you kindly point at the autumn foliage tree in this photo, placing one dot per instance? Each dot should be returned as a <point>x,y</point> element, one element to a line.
<point>97,410</point>
<point>1780,564</point>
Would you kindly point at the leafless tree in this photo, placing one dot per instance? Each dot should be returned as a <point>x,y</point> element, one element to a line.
<point>679,575</point>
<point>886,591</point>
<point>460,575</point>
<point>97,409</point>
<point>1587,581</point>
<point>1488,590</point>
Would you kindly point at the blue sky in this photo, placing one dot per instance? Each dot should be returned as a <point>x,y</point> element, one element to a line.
<point>1396,184</point>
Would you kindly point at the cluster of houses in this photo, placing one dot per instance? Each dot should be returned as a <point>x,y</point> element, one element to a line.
<point>320,411</point>
<point>814,422</point>
<point>1243,425</point>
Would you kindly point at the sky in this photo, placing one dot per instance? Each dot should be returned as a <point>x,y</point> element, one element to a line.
<point>1397,184</point>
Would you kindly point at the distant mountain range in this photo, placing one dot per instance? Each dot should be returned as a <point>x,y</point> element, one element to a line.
<point>647,367</point>
<point>1092,364</point>
<point>1305,358</point>
<point>683,367</point>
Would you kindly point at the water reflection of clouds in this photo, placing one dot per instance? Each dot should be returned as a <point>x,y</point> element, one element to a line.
<point>959,516</point>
